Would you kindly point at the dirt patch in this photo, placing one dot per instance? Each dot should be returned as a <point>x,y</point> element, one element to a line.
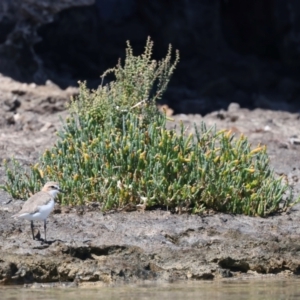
<point>86,245</point>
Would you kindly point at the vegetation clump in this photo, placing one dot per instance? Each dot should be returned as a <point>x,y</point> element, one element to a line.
<point>115,149</point>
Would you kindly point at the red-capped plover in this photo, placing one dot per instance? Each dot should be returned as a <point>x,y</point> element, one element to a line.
<point>40,205</point>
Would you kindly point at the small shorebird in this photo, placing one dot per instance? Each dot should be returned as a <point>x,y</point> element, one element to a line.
<point>39,205</point>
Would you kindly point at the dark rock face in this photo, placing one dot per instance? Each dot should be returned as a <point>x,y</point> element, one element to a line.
<point>19,21</point>
<point>231,50</point>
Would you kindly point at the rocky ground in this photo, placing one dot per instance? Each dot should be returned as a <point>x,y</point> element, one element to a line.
<point>86,245</point>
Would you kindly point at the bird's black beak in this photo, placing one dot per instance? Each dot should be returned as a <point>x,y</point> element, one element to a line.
<point>61,191</point>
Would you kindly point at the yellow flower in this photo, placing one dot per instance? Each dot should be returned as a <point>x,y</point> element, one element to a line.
<point>258,149</point>
<point>143,155</point>
<point>228,134</point>
<point>86,156</point>
<point>216,159</point>
<point>41,173</point>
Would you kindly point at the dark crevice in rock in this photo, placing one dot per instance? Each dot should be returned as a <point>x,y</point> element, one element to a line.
<point>107,250</point>
<point>85,253</point>
<point>297,271</point>
<point>11,270</point>
<point>82,253</point>
<point>234,265</point>
<point>205,276</point>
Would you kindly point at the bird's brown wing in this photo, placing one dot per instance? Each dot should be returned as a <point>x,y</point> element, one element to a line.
<point>31,206</point>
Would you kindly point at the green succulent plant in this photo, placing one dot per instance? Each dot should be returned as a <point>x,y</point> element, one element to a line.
<point>115,149</point>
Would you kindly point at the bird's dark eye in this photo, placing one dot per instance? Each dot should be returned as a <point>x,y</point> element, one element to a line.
<point>54,187</point>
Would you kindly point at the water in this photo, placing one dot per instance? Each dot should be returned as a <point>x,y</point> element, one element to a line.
<point>285,289</point>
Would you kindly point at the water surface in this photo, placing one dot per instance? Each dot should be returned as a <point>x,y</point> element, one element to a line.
<point>285,289</point>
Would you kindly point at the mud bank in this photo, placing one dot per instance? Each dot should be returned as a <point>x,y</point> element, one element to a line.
<point>155,245</point>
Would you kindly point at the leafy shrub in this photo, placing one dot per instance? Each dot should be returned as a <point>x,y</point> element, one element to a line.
<point>115,149</point>
<point>137,86</point>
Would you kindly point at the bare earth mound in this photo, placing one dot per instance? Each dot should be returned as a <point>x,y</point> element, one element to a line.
<point>87,245</point>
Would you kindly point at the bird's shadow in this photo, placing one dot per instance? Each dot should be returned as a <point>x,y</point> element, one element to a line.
<point>44,244</point>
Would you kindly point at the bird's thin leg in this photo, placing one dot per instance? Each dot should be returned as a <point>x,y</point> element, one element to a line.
<point>32,229</point>
<point>45,226</point>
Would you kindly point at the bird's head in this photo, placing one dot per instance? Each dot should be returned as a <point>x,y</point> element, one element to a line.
<point>52,188</point>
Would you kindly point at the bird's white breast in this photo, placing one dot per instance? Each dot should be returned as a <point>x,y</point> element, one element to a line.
<point>42,213</point>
